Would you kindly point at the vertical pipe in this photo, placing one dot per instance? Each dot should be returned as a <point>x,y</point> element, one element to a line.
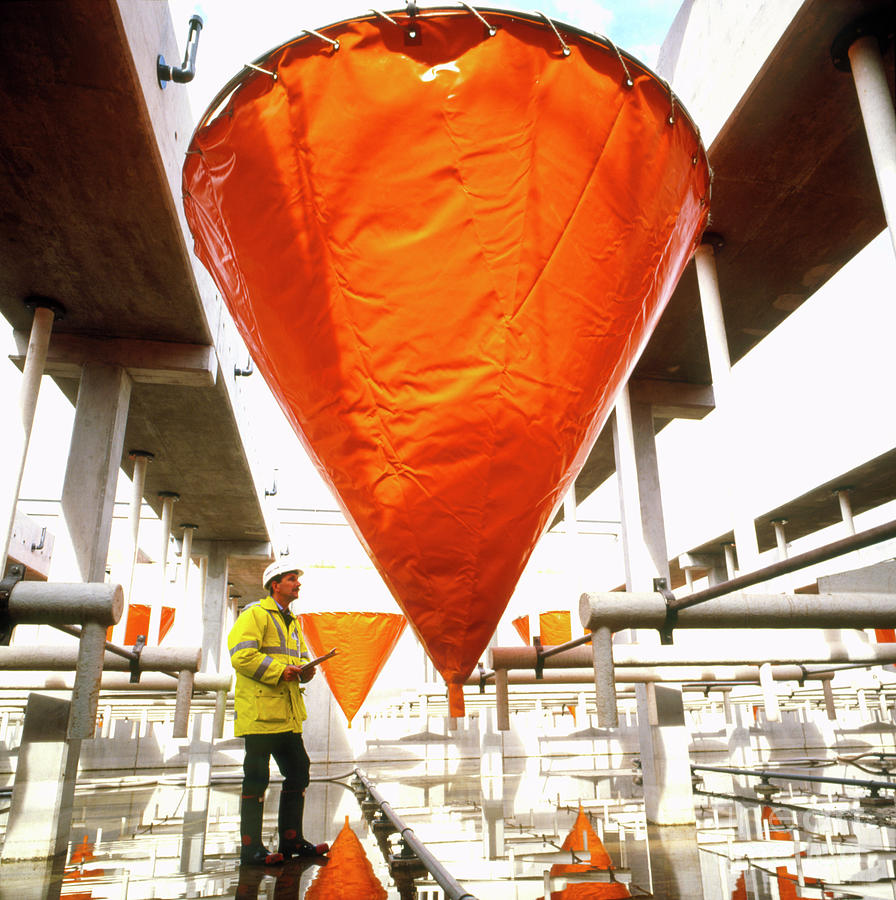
<point>16,439</point>
<point>843,495</point>
<point>604,678</point>
<point>730,562</point>
<point>220,713</point>
<point>769,693</point>
<point>720,369</point>
<point>186,551</point>
<point>86,689</point>
<point>828,692</point>
<point>182,703</point>
<point>569,510</point>
<point>141,459</point>
<point>502,700</point>
<point>780,538</point>
<point>876,104</point>
<point>155,621</point>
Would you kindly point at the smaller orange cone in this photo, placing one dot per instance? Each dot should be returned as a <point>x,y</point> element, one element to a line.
<point>364,640</point>
<point>555,627</point>
<point>348,874</point>
<point>521,624</point>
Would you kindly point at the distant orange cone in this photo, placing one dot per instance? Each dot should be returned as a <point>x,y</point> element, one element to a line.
<point>521,624</point>
<point>348,874</point>
<point>364,641</point>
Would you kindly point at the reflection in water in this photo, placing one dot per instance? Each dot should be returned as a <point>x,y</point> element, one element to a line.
<point>348,873</point>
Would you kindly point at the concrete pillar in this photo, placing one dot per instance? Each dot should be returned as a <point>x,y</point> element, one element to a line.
<point>169,498</point>
<point>843,496</point>
<point>720,367</point>
<point>214,604</point>
<point>198,792</point>
<point>17,435</point>
<point>91,476</point>
<point>665,761</point>
<point>491,757</point>
<point>40,814</point>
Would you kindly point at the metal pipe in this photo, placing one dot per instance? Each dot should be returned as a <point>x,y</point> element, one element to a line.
<point>182,704</point>
<point>64,659</point>
<point>843,495</point>
<point>795,563</point>
<point>51,603</point>
<point>501,700</point>
<point>780,538</point>
<point>453,890</point>
<point>169,498</point>
<point>17,439</point>
<point>819,653</point>
<point>672,674</point>
<point>141,459</point>
<point>766,775</point>
<point>604,682</point>
<point>769,694</point>
<point>186,550</point>
<point>876,104</point>
<point>618,610</point>
<point>19,677</point>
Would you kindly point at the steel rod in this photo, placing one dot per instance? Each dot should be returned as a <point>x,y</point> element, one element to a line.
<point>765,775</point>
<point>453,890</point>
<point>795,563</point>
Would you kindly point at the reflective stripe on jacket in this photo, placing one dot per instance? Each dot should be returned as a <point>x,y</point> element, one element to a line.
<point>261,647</point>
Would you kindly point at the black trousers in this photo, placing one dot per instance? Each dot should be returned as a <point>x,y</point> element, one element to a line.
<point>288,751</point>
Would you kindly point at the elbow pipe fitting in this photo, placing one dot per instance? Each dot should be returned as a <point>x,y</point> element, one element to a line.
<point>186,72</point>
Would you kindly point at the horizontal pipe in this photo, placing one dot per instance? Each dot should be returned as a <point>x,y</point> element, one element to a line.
<point>767,775</point>
<point>785,566</point>
<point>619,610</point>
<point>159,682</point>
<point>64,659</point>
<point>814,653</point>
<point>675,674</point>
<point>453,890</point>
<point>50,603</point>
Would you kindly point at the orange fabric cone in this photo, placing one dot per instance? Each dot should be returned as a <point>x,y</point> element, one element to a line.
<point>365,640</point>
<point>521,624</point>
<point>581,833</point>
<point>556,627</point>
<point>445,254</point>
<point>348,874</point>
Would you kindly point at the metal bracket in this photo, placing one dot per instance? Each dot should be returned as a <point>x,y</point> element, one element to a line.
<point>661,586</point>
<point>539,657</point>
<point>412,34</point>
<point>135,663</point>
<point>15,574</point>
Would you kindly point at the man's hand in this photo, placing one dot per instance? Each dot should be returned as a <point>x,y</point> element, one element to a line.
<point>292,673</point>
<point>307,673</point>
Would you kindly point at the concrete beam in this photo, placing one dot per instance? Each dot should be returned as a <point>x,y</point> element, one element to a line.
<point>261,550</point>
<point>146,362</point>
<point>673,399</point>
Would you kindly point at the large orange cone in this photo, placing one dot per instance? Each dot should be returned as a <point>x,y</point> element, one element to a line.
<point>364,640</point>
<point>348,874</point>
<point>445,251</point>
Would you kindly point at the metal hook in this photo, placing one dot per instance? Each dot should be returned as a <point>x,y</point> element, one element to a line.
<point>563,44</point>
<point>323,37</point>
<point>259,69</point>
<point>490,30</point>
<point>383,15</point>
<point>629,83</point>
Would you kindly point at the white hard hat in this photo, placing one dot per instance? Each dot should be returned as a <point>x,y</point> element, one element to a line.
<point>279,567</point>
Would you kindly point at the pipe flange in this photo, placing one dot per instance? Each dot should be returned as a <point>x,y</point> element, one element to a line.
<point>878,25</point>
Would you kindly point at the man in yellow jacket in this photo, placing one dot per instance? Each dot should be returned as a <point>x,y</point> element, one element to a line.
<point>267,650</point>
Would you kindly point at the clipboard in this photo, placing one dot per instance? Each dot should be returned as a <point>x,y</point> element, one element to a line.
<point>317,660</point>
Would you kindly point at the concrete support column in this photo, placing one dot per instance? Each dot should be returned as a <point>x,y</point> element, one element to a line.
<point>569,510</point>
<point>720,367</point>
<point>17,436</point>
<point>665,761</point>
<point>214,604</point>
<point>186,551</point>
<point>876,104</point>
<point>91,476</point>
<point>169,498</point>
<point>843,496</point>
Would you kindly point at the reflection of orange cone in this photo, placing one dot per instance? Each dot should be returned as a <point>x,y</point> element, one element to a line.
<point>449,362</point>
<point>776,830</point>
<point>348,874</point>
<point>740,888</point>
<point>611,891</point>
<point>364,641</point>
<point>83,852</point>
<point>576,840</point>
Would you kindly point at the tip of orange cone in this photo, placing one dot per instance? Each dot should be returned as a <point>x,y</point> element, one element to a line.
<point>455,700</point>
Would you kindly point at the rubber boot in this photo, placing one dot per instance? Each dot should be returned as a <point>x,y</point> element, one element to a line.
<point>289,824</point>
<point>252,851</point>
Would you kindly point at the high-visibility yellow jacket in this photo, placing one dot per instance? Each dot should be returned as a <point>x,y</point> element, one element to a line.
<point>261,646</point>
